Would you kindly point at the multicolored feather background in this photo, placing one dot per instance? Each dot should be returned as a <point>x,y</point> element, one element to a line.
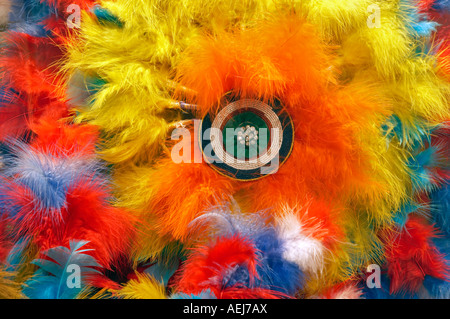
<point>86,175</point>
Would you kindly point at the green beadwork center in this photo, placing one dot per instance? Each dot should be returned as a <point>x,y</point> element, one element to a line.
<point>245,136</point>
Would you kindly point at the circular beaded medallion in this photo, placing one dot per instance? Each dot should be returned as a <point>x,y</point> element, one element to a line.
<point>247,139</point>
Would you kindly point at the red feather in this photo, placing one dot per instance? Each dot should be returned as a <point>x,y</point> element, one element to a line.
<point>69,139</point>
<point>88,216</point>
<point>26,110</point>
<point>5,244</point>
<point>425,5</point>
<point>207,266</point>
<point>250,293</point>
<point>28,62</point>
<point>412,255</point>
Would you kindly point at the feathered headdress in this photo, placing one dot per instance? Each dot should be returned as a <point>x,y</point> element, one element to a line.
<point>237,149</point>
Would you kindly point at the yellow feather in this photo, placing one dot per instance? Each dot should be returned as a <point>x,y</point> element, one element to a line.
<point>144,287</point>
<point>9,288</point>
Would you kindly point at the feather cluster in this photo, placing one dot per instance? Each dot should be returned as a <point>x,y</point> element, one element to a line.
<point>90,195</point>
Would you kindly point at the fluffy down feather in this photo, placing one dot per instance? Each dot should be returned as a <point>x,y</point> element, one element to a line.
<point>255,64</point>
<point>208,266</point>
<point>28,16</point>
<point>23,111</point>
<point>43,192</point>
<point>9,288</point>
<point>144,287</point>
<point>329,149</point>
<point>135,58</point>
<point>172,193</point>
<point>300,241</point>
<point>274,271</point>
<point>62,138</point>
<point>28,61</point>
<point>412,255</point>
<point>345,290</point>
<point>437,288</point>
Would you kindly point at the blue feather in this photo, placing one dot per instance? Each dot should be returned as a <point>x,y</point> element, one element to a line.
<point>437,288</point>
<point>15,256</point>
<point>104,16</point>
<point>383,291</point>
<point>412,135</point>
<point>27,16</point>
<point>401,216</point>
<point>423,179</point>
<point>424,28</point>
<point>275,272</point>
<point>441,5</point>
<point>440,208</point>
<point>205,294</point>
<point>416,21</point>
<point>47,176</point>
<point>51,280</point>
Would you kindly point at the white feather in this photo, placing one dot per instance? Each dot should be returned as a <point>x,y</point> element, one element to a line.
<point>349,291</point>
<point>299,246</point>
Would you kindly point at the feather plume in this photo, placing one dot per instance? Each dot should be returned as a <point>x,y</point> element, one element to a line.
<point>412,255</point>
<point>51,281</point>
<point>44,192</point>
<point>300,243</point>
<point>144,287</point>
<point>440,208</point>
<point>28,16</point>
<point>260,67</point>
<point>423,168</point>
<point>437,288</point>
<point>345,290</point>
<point>9,289</point>
<point>207,268</point>
<point>174,194</point>
<point>18,116</point>
<point>275,271</point>
<point>28,61</point>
